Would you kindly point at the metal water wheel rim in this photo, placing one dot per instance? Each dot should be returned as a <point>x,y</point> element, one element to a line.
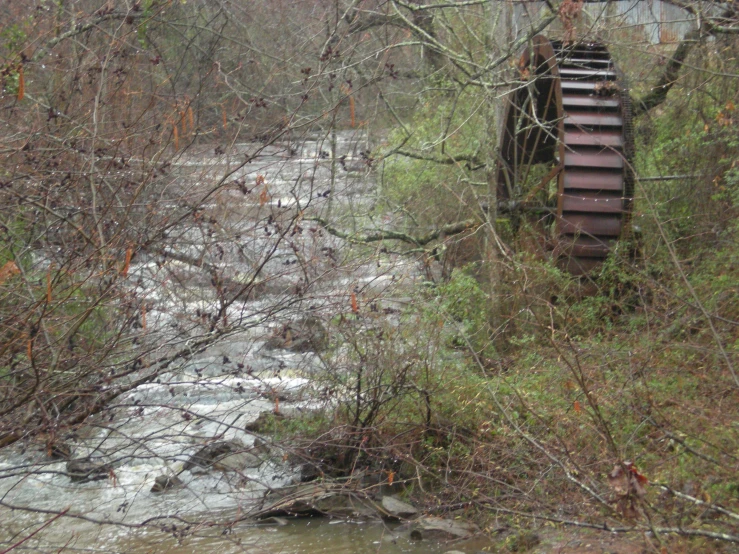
<point>582,127</point>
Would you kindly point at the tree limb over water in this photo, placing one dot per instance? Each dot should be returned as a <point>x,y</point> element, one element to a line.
<point>377,236</point>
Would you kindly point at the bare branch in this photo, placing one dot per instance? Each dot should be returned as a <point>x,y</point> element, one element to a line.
<point>669,76</point>
<point>472,162</point>
<point>368,237</point>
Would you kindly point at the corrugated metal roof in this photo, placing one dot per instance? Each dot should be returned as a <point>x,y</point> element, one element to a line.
<point>652,21</point>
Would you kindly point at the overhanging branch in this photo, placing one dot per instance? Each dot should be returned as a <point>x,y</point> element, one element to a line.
<point>79,28</point>
<point>473,162</point>
<point>669,77</point>
<point>377,236</point>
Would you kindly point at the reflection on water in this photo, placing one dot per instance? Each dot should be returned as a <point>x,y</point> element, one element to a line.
<point>302,536</point>
<point>296,536</point>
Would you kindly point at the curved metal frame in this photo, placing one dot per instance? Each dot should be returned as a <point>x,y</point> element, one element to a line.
<point>570,111</point>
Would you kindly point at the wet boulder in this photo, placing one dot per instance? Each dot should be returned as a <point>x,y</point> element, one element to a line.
<point>210,453</point>
<point>397,508</point>
<point>307,334</point>
<point>328,498</point>
<point>436,528</point>
<point>81,470</point>
<point>166,482</point>
<point>276,521</point>
<point>228,456</point>
<point>246,458</point>
<point>59,451</point>
<point>266,422</point>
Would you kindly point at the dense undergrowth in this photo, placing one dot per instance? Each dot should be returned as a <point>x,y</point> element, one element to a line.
<point>528,395</point>
<point>500,388</point>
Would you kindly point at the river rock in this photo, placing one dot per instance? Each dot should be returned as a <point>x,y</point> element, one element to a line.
<point>209,454</point>
<point>246,458</point>
<point>303,335</point>
<point>398,508</point>
<point>166,482</point>
<point>228,456</point>
<point>436,528</point>
<point>277,521</point>
<point>81,470</point>
<point>265,423</point>
<point>59,451</point>
<point>327,498</point>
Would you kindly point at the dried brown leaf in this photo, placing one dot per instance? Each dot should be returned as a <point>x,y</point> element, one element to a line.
<point>127,262</point>
<point>8,270</point>
<point>21,84</point>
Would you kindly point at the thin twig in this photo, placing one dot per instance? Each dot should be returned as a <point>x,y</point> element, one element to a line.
<point>44,526</point>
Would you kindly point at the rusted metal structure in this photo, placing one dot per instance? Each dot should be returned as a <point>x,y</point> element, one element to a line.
<point>569,120</point>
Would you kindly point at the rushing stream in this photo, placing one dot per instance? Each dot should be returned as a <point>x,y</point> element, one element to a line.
<point>152,430</point>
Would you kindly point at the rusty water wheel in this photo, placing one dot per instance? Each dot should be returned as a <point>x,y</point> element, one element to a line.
<point>569,120</point>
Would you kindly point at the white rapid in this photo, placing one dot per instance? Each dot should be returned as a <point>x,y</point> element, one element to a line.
<point>153,429</point>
